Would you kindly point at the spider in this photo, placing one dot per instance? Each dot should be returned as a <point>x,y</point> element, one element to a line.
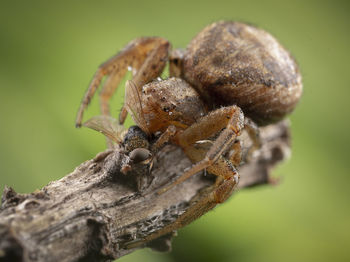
<point>231,77</point>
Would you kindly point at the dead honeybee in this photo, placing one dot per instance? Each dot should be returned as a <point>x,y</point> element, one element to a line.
<point>231,77</point>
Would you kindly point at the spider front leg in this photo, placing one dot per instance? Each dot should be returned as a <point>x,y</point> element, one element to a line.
<point>232,120</point>
<point>147,56</point>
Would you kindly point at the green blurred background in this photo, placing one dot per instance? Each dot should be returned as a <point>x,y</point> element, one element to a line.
<point>50,50</point>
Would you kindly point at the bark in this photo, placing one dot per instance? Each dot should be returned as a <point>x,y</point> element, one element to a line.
<point>98,214</point>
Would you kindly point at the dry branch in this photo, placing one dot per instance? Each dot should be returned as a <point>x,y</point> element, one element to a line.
<point>96,214</point>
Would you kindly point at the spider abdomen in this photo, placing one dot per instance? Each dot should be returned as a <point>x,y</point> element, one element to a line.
<point>234,63</point>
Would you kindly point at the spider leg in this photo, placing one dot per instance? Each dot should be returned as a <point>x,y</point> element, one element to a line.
<point>232,120</point>
<point>254,135</point>
<point>151,68</point>
<point>164,138</point>
<point>235,155</point>
<point>135,55</point>
<point>123,114</point>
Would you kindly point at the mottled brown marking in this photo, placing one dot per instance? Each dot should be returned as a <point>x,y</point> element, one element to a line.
<point>227,58</point>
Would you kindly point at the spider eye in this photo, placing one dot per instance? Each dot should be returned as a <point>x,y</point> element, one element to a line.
<point>139,155</point>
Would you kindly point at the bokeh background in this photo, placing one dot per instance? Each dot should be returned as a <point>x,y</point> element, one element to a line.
<point>50,50</point>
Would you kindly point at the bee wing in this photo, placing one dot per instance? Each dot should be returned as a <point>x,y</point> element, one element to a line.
<point>108,126</point>
<point>134,105</point>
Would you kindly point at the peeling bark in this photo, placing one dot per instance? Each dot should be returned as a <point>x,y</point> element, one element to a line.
<point>97,214</point>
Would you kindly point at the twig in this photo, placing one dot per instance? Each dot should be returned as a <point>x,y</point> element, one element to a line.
<point>97,214</point>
